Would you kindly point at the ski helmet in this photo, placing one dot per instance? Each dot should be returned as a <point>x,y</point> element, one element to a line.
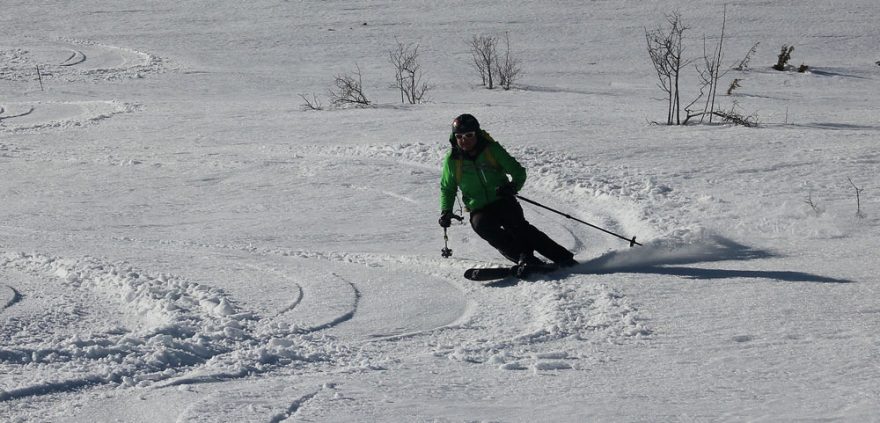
<point>465,123</point>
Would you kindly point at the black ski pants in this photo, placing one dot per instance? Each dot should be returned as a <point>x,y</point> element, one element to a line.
<point>503,225</point>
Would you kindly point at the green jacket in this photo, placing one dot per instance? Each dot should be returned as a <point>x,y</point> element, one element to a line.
<point>478,177</point>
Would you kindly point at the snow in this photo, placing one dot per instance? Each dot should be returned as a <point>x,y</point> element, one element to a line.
<point>181,241</point>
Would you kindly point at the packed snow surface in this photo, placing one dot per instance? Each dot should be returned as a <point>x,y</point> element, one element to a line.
<point>182,240</point>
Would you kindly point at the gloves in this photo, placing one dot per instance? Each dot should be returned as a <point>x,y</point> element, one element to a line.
<point>446,219</point>
<point>506,190</point>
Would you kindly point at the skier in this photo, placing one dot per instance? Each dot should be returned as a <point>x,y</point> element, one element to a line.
<point>489,178</point>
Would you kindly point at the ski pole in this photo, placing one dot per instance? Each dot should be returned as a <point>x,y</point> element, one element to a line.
<point>632,241</point>
<point>446,252</point>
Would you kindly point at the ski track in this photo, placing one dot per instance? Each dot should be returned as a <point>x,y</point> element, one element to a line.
<point>294,407</point>
<point>36,116</point>
<point>74,60</point>
<point>10,295</point>
<point>325,302</point>
<point>383,192</point>
<point>354,307</point>
<point>182,326</point>
<point>299,290</point>
<point>190,333</point>
<point>261,401</point>
<point>327,293</point>
<point>70,61</point>
<point>578,310</point>
<point>561,325</point>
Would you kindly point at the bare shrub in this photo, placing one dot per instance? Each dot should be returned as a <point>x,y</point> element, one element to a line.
<point>508,68</point>
<point>784,57</point>
<point>711,74</point>
<point>484,54</point>
<point>408,73</point>
<point>349,90</point>
<point>733,85</point>
<point>666,52</point>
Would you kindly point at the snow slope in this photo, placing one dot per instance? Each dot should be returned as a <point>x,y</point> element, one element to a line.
<point>181,241</point>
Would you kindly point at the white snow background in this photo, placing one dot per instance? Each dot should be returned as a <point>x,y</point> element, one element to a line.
<point>181,241</point>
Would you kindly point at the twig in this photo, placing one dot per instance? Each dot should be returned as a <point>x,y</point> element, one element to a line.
<point>311,104</point>
<point>744,64</point>
<point>40,77</point>
<point>858,198</point>
<point>813,205</point>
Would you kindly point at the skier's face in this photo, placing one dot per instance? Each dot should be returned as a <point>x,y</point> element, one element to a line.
<point>466,141</point>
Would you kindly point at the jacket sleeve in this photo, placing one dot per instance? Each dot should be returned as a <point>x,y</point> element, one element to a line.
<point>509,165</point>
<point>448,185</point>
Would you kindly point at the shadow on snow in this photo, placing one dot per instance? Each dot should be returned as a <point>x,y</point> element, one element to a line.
<point>665,260</point>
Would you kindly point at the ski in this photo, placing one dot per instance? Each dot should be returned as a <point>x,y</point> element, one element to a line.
<point>495,273</point>
<point>489,274</point>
